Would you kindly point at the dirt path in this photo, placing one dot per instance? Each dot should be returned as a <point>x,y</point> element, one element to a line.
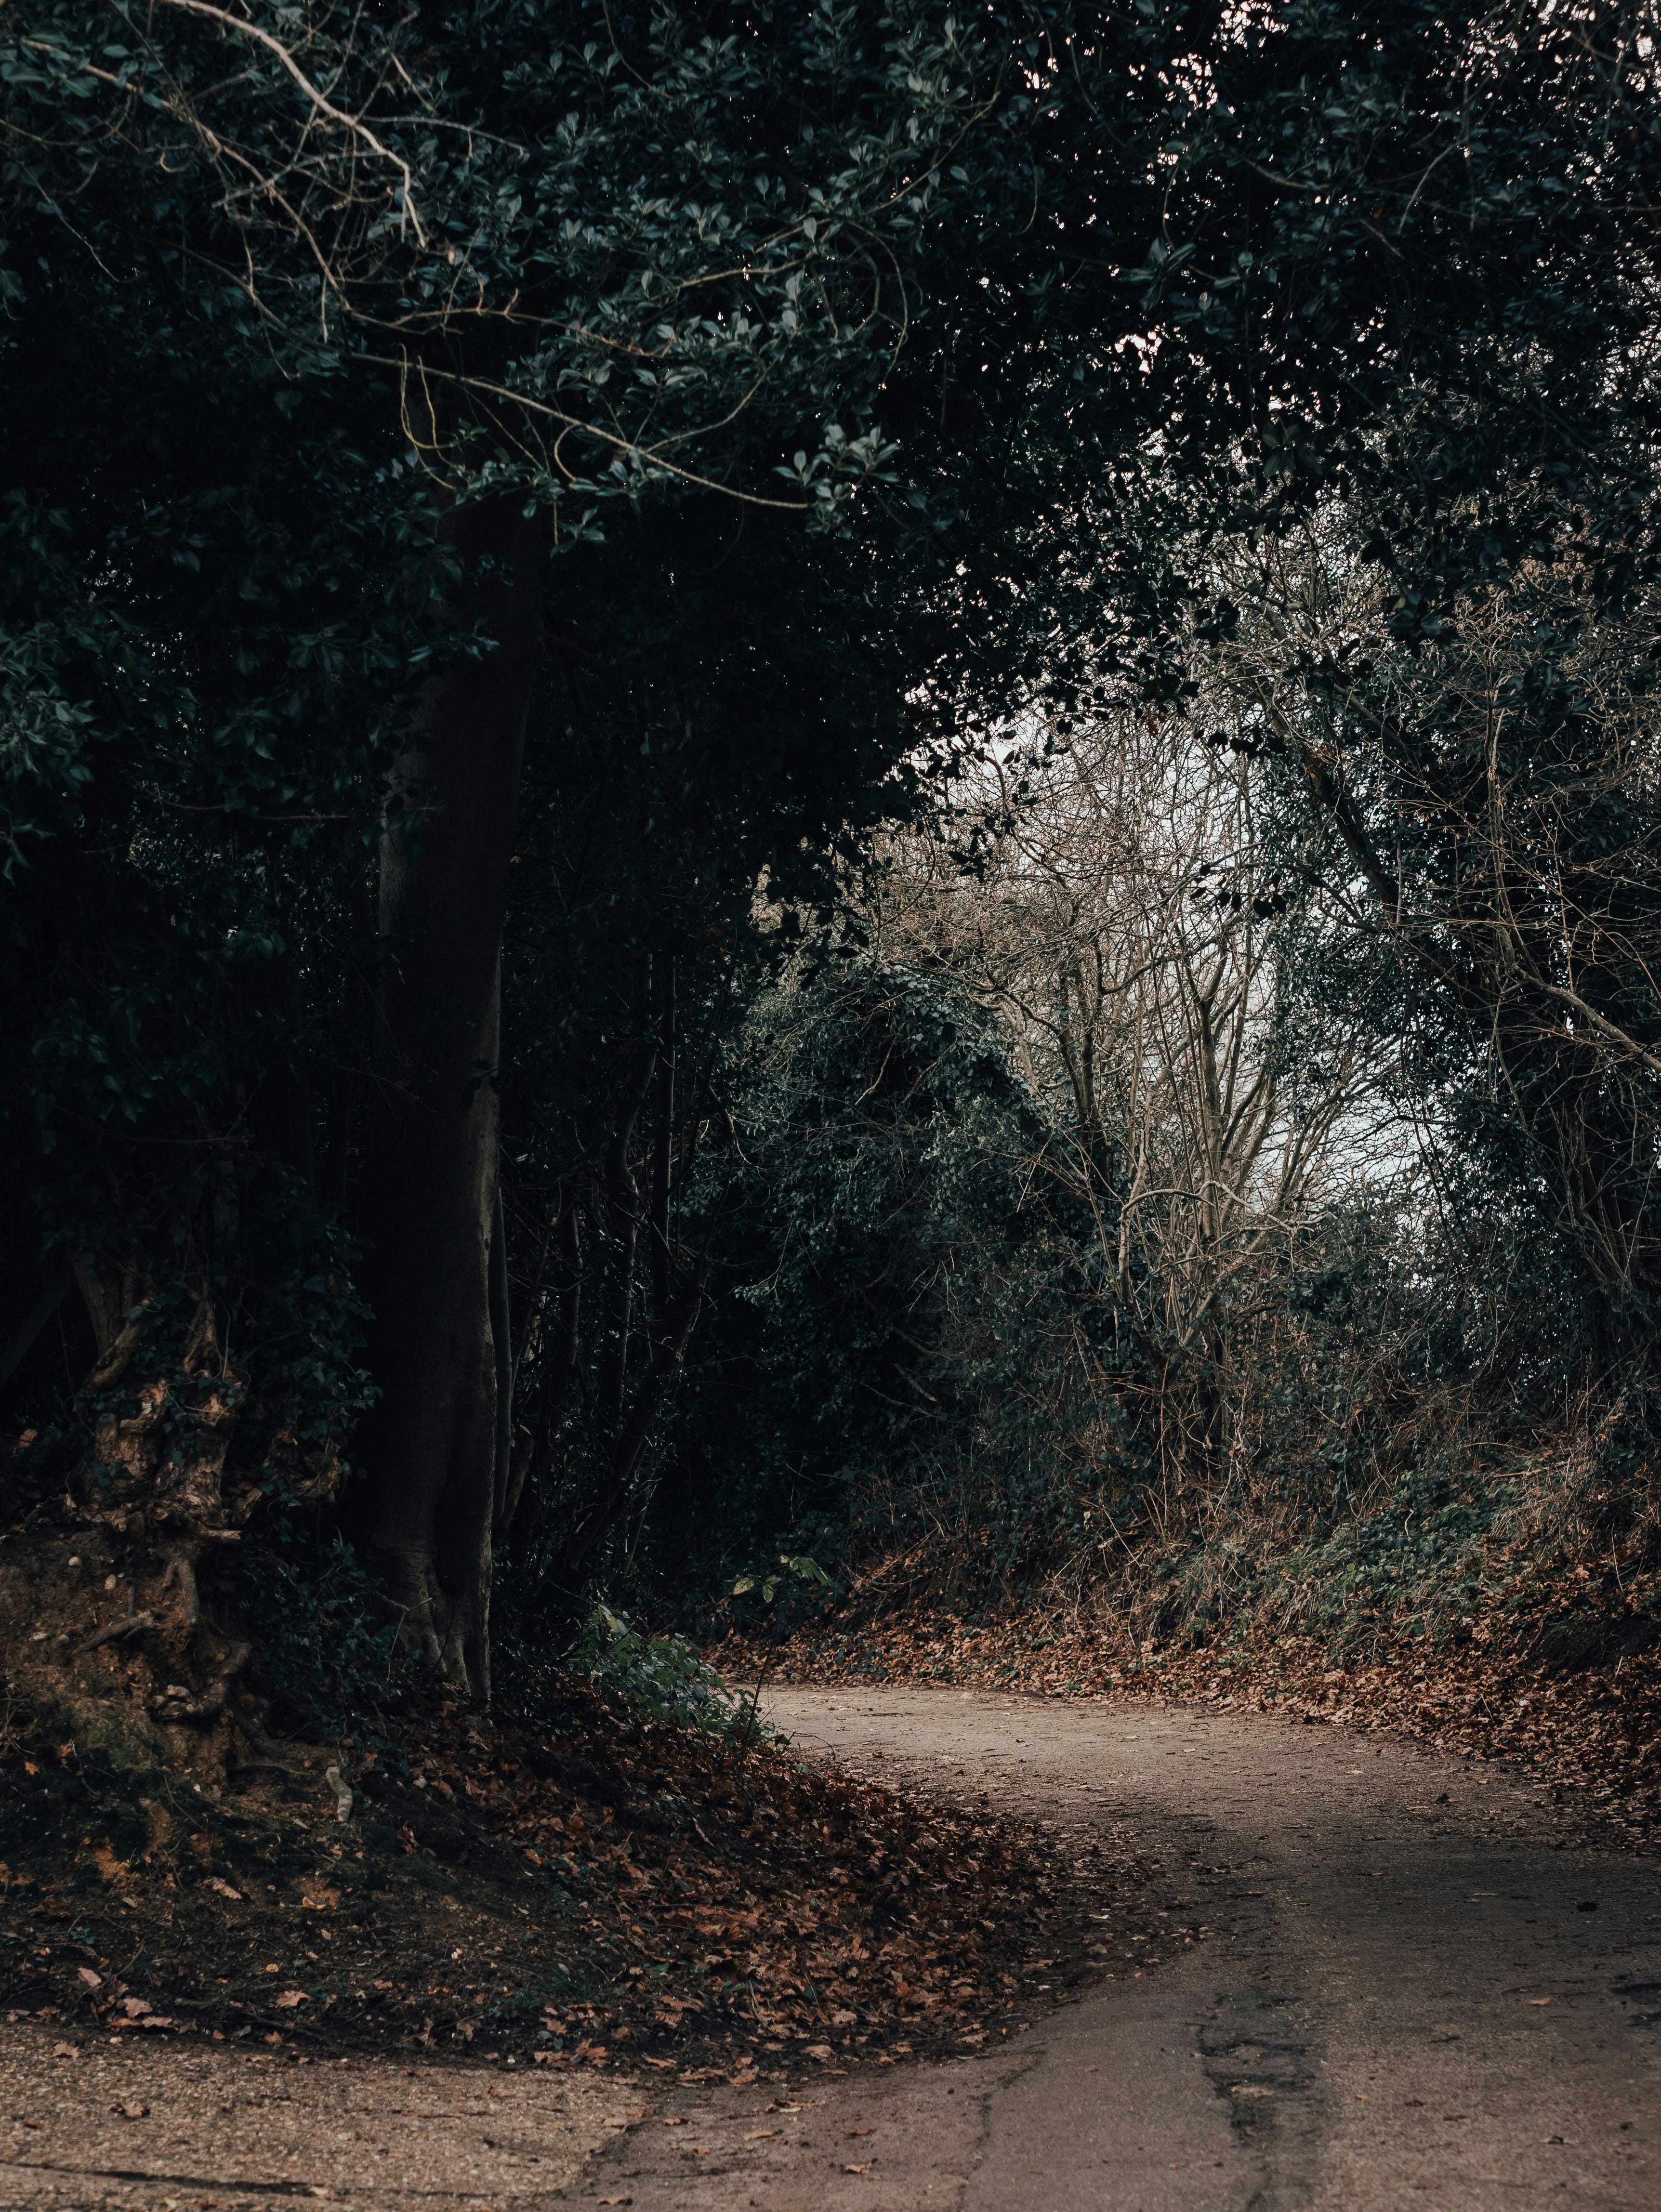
<point>85,2128</point>
<point>1379,1988</point>
<point>1376,1986</point>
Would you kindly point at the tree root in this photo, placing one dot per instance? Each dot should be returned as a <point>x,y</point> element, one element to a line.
<point>176,1703</point>
<point>181,1569</point>
<point>129,1626</point>
<point>269,1754</point>
<point>234,1774</point>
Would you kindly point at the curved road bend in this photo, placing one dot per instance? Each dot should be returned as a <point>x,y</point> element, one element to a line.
<point>1399,2000</point>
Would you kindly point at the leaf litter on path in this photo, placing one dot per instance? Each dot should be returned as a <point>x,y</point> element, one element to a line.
<point>587,1890</point>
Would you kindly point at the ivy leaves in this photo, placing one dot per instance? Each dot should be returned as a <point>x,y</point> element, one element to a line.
<point>799,1565</point>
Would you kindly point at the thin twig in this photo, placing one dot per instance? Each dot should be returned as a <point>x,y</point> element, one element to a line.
<point>326,106</point>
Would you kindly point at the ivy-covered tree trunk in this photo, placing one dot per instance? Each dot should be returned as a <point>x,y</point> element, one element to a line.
<point>431,1214</point>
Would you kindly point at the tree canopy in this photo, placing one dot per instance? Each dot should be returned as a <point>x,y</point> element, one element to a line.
<point>517,518</point>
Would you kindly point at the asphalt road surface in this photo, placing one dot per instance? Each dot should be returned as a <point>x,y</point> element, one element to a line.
<point>1379,1986</point>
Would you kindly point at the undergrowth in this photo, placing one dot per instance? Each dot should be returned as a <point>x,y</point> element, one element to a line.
<point>660,1678</point>
<point>1533,1526</point>
<point>1575,1525</point>
<point>1502,1605</point>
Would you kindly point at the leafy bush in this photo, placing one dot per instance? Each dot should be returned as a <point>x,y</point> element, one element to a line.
<point>659,1675</point>
<point>326,1652</point>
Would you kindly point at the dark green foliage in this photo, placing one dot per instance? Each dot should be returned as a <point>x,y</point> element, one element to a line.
<point>220,596</point>
<point>199,638</point>
<point>326,1656</point>
<point>891,1284</point>
<point>881,376</point>
<point>876,1138</point>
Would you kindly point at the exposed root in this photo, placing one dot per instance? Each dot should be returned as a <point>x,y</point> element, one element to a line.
<point>130,1626</point>
<point>181,1570</point>
<point>404,1575</point>
<point>268,1754</point>
<point>176,1703</point>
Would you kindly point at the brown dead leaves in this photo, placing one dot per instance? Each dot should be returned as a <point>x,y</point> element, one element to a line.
<point>787,1910</point>
<point>667,1903</point>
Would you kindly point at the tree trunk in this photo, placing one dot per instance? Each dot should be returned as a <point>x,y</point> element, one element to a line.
<point>629,1447</point>
<point>623,1215</point>
<point>431,1199</point>
<point>502,1334</point>
<point>663,1140</point>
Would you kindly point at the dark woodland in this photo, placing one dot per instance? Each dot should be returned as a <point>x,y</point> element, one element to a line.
<point>831,844</point>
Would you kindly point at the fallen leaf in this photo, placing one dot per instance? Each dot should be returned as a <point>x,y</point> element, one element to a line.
<point>290,1999</point>
<point>223,1889</point>
<point>93,1981</point>
<point>1539,2000</point>
<point>64,2050</point>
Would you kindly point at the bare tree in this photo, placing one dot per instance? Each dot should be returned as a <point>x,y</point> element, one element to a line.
<point>1488,811</point>
<point>1131,927</point>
